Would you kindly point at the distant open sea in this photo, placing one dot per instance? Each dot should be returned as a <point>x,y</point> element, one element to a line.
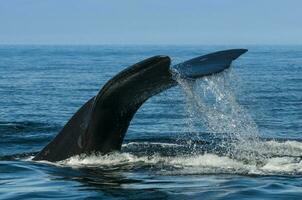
<point>236,135</point>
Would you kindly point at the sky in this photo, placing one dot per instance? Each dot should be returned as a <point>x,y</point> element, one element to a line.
<point>176,22</point>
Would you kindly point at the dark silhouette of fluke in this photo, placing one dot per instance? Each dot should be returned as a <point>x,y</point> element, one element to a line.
<point>102,122</point>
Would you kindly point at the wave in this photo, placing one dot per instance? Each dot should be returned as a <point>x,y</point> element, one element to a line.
<point>26,126</point>
<point>278,162</point>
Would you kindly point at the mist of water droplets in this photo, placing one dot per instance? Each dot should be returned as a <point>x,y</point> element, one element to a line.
<point>212,102</point>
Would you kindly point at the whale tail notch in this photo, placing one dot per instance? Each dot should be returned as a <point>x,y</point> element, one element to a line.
<point>101,123</point>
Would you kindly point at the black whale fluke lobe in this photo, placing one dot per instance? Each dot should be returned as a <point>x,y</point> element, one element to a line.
<point>208,64</point>
<point>102,122</point>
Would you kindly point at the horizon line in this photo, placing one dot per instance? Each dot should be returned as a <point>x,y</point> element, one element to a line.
<point>144,44</point>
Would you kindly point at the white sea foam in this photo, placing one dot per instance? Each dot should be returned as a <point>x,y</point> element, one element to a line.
<point>207,163</point>
<point>288,165</point>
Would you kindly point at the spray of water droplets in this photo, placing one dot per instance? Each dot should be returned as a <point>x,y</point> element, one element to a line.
<point>212,102</point>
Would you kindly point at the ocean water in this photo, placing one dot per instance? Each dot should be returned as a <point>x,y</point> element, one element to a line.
<point>235,135</point>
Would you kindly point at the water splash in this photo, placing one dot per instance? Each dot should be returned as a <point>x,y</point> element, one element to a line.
<point>211,101</point>
<point>206,163</point>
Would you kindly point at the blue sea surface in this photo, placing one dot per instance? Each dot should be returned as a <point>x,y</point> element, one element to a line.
<point>235,135</point>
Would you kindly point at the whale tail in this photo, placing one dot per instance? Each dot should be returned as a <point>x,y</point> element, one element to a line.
<point>101,123</point>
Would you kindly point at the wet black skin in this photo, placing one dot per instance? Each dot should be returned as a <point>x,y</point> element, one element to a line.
<point>102,122</point>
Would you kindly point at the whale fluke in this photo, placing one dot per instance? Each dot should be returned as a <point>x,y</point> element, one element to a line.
<point>208,64</point>
<point>102,122</point>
